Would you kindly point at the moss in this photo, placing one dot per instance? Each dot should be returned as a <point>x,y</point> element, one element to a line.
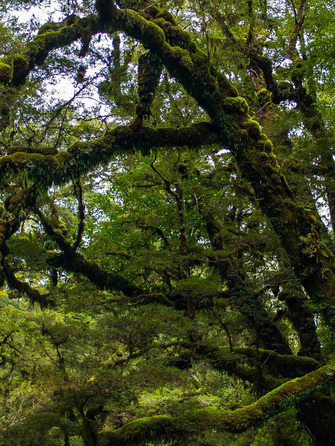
<point>163,13</point>
<point>149,33</point>
<point>236,104</point>
<point>139,431</point>
<point>262,92</point>
<point>183,56</point>
<point>289,366</point>
<point>53,37</point>
<point>163,427</point>
<point>264,145</point>
<point>47,27</point>
<point>43,41</point>
<point>6,73</point>
<point>253,128</point>
<point>20,61</point>
<point>225,85</point>
<point>41,151</point>
<point>243,133</point>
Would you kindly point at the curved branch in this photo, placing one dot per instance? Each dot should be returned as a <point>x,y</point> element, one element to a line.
<point>15,68</point>
<point>32,294</point>
<point>167,427</point>
<point>82,157</point>
<point>74,262</point>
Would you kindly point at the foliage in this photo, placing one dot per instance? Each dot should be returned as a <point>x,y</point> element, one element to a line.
<point>167,217</point>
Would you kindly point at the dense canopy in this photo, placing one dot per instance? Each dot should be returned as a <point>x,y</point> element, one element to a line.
<point>167,218</point>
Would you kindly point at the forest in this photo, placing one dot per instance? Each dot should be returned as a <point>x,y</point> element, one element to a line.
<point>167,218</point>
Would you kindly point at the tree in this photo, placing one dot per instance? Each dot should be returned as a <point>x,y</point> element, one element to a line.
<point>167,223</point>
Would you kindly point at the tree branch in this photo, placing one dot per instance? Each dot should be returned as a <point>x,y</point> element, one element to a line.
<point>82,157</point>
<point>32,294</point>
<point>72,261</point>
<point>167,428</point>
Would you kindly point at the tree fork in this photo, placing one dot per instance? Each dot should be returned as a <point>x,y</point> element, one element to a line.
<point>297,228</point>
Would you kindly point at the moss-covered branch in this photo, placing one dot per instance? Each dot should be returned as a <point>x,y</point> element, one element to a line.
<point>167,428</point>
<point>14,68</point>
<point>297,228</point>
<point>289,366</point>
<point>76,263</point>
<point>256,366</point>
<point>234,364</point>
<point>70,260</point>
<point>84,156</point>
<point>11,218</point>
<point>33,295</point>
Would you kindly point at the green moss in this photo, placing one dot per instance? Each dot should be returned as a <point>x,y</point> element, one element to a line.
<point>6,73</point>
<point>262,92</point>
<point>264,145</point>
<point>253,128</point>
<point>243,132</point>
<point>43,40</point>
<point>138,432</point>
<point>167,16</point>
<point>21,62</point>
<point>149,32</point>
<point>236,104</point>
<point>183,56</point>
<point>225,85</point>
<point>42,151</point>
<point>47,27</point>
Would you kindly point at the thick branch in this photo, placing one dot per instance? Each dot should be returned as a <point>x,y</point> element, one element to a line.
<point>84,156</point>
<point>74,262</point>
<point>10,220</point>
<point>15,68</point>
<point>167,428</point>
<point>32,294</point>
<point>297,228</point>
